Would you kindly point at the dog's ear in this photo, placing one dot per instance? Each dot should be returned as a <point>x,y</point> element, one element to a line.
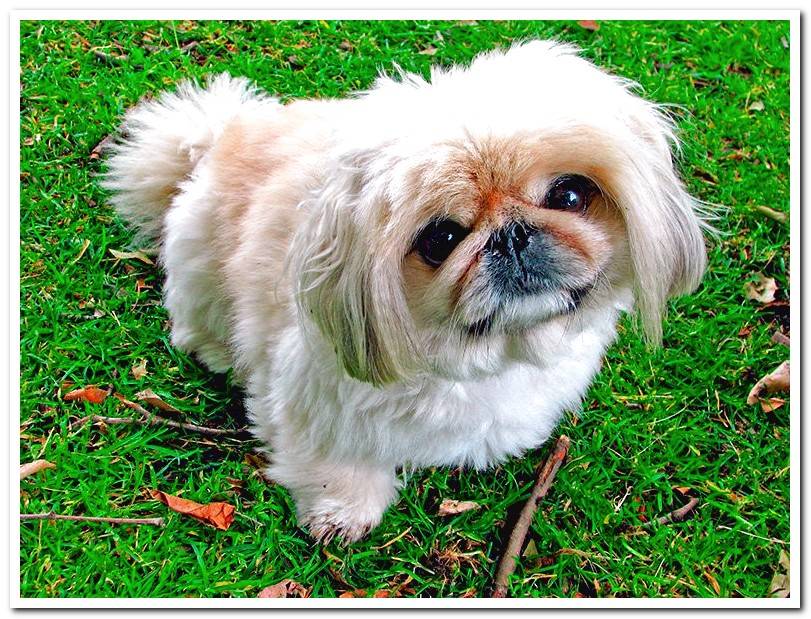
<point>665,223</point>
<point>349,282</point>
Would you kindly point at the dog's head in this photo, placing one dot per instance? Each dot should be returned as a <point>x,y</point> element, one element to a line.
<point>467,213</point>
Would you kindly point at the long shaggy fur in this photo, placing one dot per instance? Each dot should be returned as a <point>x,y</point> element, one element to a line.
<point>288,235</point>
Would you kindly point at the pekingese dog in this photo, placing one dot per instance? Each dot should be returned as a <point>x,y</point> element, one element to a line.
<point>424,274</point>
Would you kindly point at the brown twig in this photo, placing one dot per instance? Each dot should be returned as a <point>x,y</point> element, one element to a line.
<point>546,476</point>
<point>109,59</point>
<point>158,522</point>
<point>155,420</point>
<point>677,515</point>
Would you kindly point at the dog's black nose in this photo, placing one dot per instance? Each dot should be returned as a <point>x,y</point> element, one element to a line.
<point>522,259</point>
<point>511,240</point>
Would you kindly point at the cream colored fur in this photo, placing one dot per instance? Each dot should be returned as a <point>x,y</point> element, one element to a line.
<point>287,236</point>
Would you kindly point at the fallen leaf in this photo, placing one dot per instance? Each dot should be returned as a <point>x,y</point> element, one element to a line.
<point>682,489</point>
<point>756,106</point>
<point>29,468</point>
<point>382,593</point>
<point>356,593</point>
<point>769,405</point>
<point>780,586</point>
<point>150,397</point>
<point>346,46</point>
<point>219,515</point>
<point>139,370</point>
<point>531,550</point>
<point>589,24</point>
<point>428,51</point>
<point>713,583</point>
<point>745,331</point>
<point>777,380</point>
<point>128,255</point>
<point>91,394</point>
<point>762,289</point>
<point>451,507</point>
<point>285,589</point>
<point>129,404</point>
<point>781,338</point>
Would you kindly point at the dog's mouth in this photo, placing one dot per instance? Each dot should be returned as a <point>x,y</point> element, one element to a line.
<point>570,301</point>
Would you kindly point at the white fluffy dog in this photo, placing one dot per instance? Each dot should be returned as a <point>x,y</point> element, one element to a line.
<point>426,273</point>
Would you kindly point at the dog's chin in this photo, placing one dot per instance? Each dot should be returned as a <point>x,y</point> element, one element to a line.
<point>517,316</point>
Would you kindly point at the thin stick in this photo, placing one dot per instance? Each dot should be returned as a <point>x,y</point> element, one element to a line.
<point>677,515</point>
<point>158,522</point>
<point>155,420</point>
<point>546,476</point>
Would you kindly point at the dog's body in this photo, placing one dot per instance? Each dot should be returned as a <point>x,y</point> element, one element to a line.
<point>294,243</point>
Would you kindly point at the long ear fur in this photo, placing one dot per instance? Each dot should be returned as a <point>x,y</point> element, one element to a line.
<point>665,225</point>
<point>349,286</point>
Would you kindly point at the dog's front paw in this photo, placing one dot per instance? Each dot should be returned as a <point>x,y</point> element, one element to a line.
<point>329,520</point>
<point>335,500</point>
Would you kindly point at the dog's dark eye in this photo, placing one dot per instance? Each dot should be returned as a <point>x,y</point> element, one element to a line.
<point>436,242</point>
<point>570,193</point>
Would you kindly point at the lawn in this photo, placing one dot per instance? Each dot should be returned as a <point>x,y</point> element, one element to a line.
<point>656,429</point>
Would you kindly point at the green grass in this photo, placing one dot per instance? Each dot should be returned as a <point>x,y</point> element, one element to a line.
<point>653,422</point>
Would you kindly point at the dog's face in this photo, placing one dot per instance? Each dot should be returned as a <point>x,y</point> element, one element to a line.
<point>451,236</point>
<point>509,239</point>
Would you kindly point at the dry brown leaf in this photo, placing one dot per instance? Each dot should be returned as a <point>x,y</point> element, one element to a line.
<point>91,394</point>
<point>150,397</point>
<point>29,468</point>
<point>762,290</point>
<point>285,589</point>
<point>531,550</point>
<point>451,507</point>
<point>383,593</point>
<point>682,489</point>
<point>356,593</point>
<point>139,370</point>
<point>589,24</point>
<point>778,380</point>
<point>713,583</point>
<point>219,515</point>
<point>769,405</point>
<point>428,51</point>
<point>127,255</point>
<point>780,587</point>
<point>756,106</point>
